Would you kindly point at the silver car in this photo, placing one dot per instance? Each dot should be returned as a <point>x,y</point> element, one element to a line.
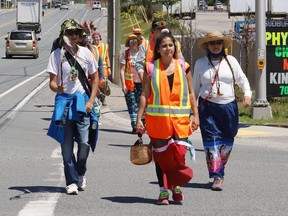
<point>218,6</point>
<point>22,43</point>
<point>64,6</point>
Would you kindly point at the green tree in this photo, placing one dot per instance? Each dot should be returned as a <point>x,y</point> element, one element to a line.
<point>168,3</point>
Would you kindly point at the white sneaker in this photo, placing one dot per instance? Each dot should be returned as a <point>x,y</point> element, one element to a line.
<point>72,189</point>
<point>82,183</point>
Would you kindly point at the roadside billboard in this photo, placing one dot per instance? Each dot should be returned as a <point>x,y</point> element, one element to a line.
<point>277,58</point>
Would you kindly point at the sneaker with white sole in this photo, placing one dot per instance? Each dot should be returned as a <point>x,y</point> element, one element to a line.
<point>72,189</point>
<point>82,183</point>
<point>163,198</point>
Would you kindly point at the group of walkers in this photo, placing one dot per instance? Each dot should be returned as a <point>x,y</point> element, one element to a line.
<point>164,97</point>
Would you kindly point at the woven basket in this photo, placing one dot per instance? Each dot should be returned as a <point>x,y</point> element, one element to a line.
<point>140,154</point>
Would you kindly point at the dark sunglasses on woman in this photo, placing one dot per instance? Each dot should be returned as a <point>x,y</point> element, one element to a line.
<point>218,42</point>
<point>73,32</point>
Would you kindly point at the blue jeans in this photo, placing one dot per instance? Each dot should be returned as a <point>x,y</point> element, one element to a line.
<point>78,131</point>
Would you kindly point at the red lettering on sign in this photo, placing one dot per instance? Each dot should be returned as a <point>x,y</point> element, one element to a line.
<point>285,64</point>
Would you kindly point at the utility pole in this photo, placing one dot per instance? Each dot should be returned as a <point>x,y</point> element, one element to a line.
<point>113,38</point>
<point>261,108</point>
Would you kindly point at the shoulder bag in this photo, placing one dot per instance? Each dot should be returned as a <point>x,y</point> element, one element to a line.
<point>237,90</point>
<point>84,81</point>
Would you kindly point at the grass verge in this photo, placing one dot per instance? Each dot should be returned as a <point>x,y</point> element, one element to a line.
<point>279,107</point>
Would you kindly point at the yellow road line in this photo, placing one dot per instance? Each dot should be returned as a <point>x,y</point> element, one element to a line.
<point>7,23</point>
<point>242,132</point>
<point>3,36</point>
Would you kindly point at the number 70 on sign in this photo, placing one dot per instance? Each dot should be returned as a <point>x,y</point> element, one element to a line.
<point>283,90</point>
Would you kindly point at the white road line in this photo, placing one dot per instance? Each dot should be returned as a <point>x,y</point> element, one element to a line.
<point>41,207</point>
<point>46,206</point>
<point>56,153</point>
<point>20,84</point>
<point>27,98</point>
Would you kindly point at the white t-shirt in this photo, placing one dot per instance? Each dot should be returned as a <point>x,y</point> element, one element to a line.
<point>137,62</point>
<point>71,83</point>
<point>204,73</point>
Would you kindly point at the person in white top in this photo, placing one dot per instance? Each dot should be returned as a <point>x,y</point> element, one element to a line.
<point>213,81</point>
<point>131,75</point>
<point>73,103</point>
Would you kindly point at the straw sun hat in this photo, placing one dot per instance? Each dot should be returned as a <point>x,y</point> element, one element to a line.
<point>137,31</point>
<point>132,36</point>
<point>214,36</point>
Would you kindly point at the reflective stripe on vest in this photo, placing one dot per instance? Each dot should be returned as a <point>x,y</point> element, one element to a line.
<point>104,55</point>
<point>95,52</point>
<point>103,52</point>
<point>156,109</point>
<point>129,78</point>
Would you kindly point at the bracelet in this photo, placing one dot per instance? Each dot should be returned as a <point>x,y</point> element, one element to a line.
<point>109,67</point>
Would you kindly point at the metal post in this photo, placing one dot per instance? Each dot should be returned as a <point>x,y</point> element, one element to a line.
<point>113,38</point>
<point>261,108</point>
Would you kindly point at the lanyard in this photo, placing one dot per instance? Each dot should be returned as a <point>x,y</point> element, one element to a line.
<point>213,82</point>
<point>216,77</point>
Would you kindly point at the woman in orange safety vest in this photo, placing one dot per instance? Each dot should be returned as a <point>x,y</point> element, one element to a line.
<point>131,75</point>
<point>169,98</point>
<point>103,52</point>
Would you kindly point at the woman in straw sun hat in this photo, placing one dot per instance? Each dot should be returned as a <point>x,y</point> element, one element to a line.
<point>131,74</point>
<point>213,81</point>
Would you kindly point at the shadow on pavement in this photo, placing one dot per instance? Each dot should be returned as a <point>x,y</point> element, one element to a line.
<point>125,199</point>
<point>241,125</point>
<point>199,150</point>
<point>199,185</point>
<point>207,185</point>
<point>35,189</point>
<point>115,131</point>
<point>120,145</point>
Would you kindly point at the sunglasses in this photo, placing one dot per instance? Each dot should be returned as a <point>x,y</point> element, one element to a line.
<point>219,42</point>
<point>133,41</point>
<point>73,32</point>
<point>160,23</point>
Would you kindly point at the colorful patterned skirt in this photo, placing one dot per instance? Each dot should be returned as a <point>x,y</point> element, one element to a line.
<point>219,126</point>
<point>132,101</point>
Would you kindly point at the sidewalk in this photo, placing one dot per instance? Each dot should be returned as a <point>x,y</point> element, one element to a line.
<point>116,112</point>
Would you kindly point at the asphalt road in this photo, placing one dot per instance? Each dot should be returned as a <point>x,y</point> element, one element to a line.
<point>32,172</point>
<point>32,181</point>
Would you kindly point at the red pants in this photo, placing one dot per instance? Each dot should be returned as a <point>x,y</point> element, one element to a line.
<point>172,163</point>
